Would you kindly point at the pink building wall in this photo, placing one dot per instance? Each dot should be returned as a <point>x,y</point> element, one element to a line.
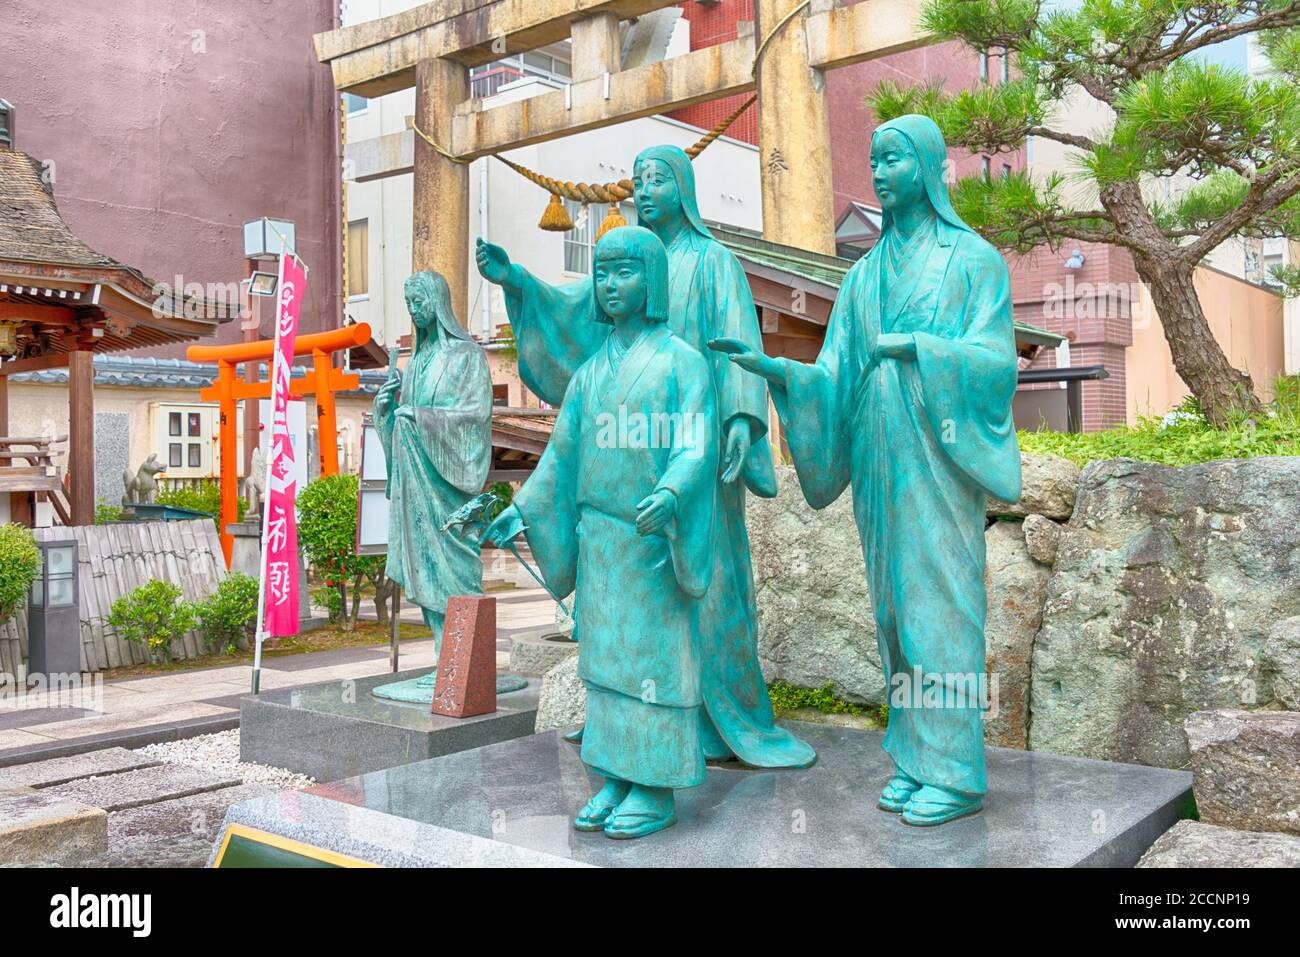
<point>171,124</point>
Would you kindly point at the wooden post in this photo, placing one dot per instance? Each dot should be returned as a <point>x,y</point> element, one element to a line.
<point>81,436</point>
<point>326,419</point>
<point>440,232</point>
<point>794,135</point>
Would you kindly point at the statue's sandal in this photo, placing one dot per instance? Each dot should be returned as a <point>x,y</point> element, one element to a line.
<point>639,824</point>
<point>593,816</point>
<point>897,793</point>
<point>930,806</point>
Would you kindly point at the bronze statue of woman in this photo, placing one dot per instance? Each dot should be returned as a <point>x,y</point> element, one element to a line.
<point>910,402</point>
<point>438,443</point>
<point>557,329</point>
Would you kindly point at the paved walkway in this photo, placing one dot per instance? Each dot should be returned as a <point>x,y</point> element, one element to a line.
<point>133,711</point>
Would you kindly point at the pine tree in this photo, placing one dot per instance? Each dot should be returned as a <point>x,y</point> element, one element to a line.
<point>1177,114</point>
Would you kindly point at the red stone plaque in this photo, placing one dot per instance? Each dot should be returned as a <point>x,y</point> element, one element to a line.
<point>467,666</point>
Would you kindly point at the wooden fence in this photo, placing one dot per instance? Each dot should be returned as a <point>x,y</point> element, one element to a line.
<point>113,560</point>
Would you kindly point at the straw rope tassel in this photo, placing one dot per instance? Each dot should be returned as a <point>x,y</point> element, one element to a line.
<point>555,218</point>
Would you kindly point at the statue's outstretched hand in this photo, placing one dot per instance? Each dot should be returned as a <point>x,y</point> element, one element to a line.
<point>493,262</point>
<point>504,528</point>
<point>748,359</point>
<point>654,512</point>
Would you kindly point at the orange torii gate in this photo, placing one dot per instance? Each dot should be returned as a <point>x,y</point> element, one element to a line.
<point>324,380</point>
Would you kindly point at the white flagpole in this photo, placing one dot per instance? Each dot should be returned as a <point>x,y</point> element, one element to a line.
<point>266,487</point>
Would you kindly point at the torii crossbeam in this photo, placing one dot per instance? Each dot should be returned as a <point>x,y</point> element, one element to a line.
<point>432,46</point>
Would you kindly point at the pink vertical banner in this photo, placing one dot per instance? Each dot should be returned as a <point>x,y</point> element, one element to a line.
<point>280,528</point>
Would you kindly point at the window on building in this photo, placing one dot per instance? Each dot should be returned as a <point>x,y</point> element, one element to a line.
<point>581,239</point>
<point>6,122</point>
<point>986,167</point>
<point>174,455</point>
<point>984,67</point>
<point>1006,66</point>
<point>174,423</point>
<point>194,455</point>
<point>358,258</point>
<point>194,425</point>
<point>1006,170</point>
<point>500,394</point>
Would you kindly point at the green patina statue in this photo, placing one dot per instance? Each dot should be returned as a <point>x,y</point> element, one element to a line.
<point>557,329</point>
<point>621,508</point>
<point>438,443</point>
<point>909,401</point>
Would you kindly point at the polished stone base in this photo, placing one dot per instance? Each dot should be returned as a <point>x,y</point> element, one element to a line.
<point>513,803</point>
<point>338,729</point>
<point>419,691</point>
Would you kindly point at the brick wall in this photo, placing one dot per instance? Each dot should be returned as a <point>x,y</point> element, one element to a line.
<point>712,24</point>
<point>1092,306</point>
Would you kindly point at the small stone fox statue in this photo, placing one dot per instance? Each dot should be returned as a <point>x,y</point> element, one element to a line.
<point>141,486</point>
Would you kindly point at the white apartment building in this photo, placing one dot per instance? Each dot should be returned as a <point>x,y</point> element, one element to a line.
<point>505,206</point>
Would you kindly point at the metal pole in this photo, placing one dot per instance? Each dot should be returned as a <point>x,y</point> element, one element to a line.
<point>394,626</point>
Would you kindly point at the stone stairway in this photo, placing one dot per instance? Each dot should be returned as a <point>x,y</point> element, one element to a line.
<point>113,808</point>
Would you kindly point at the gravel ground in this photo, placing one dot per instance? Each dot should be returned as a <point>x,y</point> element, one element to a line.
<point>220,752</point>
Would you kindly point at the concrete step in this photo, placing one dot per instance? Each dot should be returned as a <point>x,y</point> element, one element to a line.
<point>38,827</point>
<point>43,774</point>
<point>114,792</point>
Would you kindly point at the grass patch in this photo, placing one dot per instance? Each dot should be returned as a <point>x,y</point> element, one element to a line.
<point>366,635</point>
<point>1183,437</point>
<point>786,698</point>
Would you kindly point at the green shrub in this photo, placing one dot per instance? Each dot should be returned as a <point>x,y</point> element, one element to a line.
<point>327,532</point>
<point>152,616</point>
<point>20,562</point>
<point>1183,437</point>
<point>229,615</point>
<point>106,514</point>
<point>203,497</point>
<point>329,599</point>
<point>505,493</point>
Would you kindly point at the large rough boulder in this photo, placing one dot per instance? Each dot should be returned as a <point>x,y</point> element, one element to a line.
<point>1048,486</point>
<point>1246,768</point>
<point>815,616</point>
<point>1167,585</point>
<point>563,700</point>
<point>1279,662</point>
<point>1193,844</point>
<point>1016,584</point>
<point>815,623</point>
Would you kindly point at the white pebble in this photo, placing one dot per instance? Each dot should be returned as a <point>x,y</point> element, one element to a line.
<point>220,752</point>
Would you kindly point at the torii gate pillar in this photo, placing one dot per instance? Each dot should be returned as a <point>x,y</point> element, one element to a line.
<point>794,135</point>
<point>441,189</point>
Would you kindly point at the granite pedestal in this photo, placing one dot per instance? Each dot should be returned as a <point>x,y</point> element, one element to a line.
<point>338,729</point>
<point>512,804</point>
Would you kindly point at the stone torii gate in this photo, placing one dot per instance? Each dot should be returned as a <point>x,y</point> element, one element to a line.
<point>432,47</point>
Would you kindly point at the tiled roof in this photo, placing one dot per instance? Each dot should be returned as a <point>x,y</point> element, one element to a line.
<point>828,270</point>
<point>31,229</point>
<point>145,373</point>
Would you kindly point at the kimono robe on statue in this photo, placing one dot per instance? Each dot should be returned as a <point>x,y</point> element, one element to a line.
<point>436,463</point>
<point>922,442</point>
<point>556,330</point>
<point>638,597</point>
